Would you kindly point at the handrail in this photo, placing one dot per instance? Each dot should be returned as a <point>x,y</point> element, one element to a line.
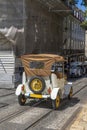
<point>3,66</point>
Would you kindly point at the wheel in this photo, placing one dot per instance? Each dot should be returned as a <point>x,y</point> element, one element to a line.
<point>37,84</point>
<point>56,102</point>
<point>21,99</point>
<point>70,93</point>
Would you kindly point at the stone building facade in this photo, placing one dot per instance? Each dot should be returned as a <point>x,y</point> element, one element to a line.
<point>86,44</point>
<point>49,26</point>
<point>51,29</point>
<point>39,26</point>
<point>74,39</point>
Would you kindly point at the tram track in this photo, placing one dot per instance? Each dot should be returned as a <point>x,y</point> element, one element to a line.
<point>78,81</point>
<point>20,111</point>
<point>9,94</point>
<point>26,108</point>
<point>36,122</point>
<point>50,111</point>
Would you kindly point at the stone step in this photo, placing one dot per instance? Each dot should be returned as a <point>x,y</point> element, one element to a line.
<point>7,65</point>
<point>7,58</point>
<point>3,55</point>
<point>6,52</point>
<point>7,71</point>
<point>7,62</point>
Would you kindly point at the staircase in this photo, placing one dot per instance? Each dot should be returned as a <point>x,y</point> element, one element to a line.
<point>7,65</point>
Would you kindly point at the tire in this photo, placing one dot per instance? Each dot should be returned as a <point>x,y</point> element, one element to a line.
<point>21,99</point>
<point>37,84</point>
<point>56,102</point>
<point>70,93</point>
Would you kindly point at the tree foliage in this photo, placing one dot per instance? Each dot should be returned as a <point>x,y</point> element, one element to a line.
<point>73,2</point>
<point>84,2</point>
<point>84,23</point>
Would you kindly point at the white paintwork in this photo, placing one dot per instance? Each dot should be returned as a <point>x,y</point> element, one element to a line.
<point>56,84</point>
<point>18,90</point>
<point>45,96</point>
<point>54,93</point>
<point>24,78</point>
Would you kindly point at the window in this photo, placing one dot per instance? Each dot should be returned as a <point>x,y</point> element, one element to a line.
<point>36,65</point>
<point>57,67</point>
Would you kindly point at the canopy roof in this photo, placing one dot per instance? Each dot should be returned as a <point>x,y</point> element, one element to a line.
<point>40,59</point>
<point>56,6</point>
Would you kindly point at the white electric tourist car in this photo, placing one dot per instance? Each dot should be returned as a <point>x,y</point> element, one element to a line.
<point>44,78</point>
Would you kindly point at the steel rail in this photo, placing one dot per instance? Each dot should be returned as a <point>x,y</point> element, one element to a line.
<point>6,95</point>
<point>15,114</point>
<point>35,123</point>
<point>50,111</point>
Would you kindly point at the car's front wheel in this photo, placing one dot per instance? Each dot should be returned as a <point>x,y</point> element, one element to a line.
<point>21,99</point>
<point>56,102</point>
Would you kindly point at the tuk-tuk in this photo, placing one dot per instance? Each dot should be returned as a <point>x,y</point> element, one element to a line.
<point>44,78</point>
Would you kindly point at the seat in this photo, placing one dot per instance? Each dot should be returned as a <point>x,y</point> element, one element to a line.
<point>57,81</point>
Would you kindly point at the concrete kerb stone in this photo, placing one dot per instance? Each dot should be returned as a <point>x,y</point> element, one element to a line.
<point>71,119</point>
<point>6,86</point>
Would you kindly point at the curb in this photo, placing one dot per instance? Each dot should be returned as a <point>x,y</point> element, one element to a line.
<point>71,119</point>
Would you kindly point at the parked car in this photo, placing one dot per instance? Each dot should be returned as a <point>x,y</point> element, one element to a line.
<point>43,78</point>
<point>76,69</point>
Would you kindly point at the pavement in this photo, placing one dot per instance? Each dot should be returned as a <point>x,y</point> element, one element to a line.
<point>6,85</point>
<point>80,120</point>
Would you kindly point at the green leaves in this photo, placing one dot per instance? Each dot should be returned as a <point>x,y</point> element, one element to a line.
<point>84,2</point>
<point>73,2</point>
<point>84,24</point>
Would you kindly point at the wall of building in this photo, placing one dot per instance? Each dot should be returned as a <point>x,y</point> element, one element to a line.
<point>86,44</point>
<point>11,13</point>
<point>45,32</point>
<point>75,38</point>
<point>43,29</point>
